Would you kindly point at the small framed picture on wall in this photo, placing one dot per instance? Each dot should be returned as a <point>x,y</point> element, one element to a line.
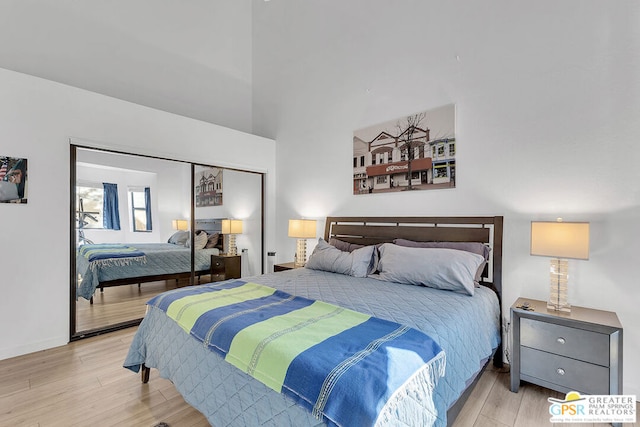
<point>13,180</point>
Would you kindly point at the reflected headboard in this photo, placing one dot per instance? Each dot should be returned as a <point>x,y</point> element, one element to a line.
<point>210,225</point>
<point>372,230</point>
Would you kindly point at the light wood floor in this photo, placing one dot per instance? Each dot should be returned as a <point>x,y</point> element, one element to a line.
<point>84,384</point>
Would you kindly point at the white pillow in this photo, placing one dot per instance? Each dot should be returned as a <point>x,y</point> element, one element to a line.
<point>358,263</point>
<point>179,238</point>
<point>439,268</point>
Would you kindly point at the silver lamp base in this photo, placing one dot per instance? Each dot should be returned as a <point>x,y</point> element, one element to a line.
<point>301,253</point>
<point>558,291</point>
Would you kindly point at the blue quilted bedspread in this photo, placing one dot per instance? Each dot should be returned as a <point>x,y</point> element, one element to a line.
<point>344,366</point>
<point>161,258</point>
<point>466,328</point>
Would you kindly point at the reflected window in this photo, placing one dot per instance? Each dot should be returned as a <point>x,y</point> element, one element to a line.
<point>140,202</point>
<point>89,203</point>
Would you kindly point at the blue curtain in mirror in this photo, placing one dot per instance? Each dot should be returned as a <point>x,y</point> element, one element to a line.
<point>147,206</point>
<point>111,216</point>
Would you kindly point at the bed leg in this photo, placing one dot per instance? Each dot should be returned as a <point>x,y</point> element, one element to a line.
<point>498,357</point>
<point>144,371</point>
<point>91,300</point>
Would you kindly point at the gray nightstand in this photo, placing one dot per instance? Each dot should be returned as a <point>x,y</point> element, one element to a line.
<point>578,351</point>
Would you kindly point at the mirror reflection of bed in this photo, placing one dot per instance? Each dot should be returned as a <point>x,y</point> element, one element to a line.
<point>119,268</point>
<point>115,291</point>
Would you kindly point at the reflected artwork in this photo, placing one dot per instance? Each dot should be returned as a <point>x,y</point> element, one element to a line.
<point>208,189</point>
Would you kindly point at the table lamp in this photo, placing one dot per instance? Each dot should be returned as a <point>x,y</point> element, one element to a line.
<point>231,227</point>
<point>560,240</point>
<point>302,229</point>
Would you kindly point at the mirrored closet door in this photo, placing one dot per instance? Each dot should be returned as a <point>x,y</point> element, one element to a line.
<point>132,232</point>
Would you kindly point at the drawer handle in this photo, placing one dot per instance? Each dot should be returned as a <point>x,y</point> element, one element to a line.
<point>560,371</point>
<point>560,340</point>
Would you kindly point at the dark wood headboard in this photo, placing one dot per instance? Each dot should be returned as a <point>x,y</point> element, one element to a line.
<point>368,230</point>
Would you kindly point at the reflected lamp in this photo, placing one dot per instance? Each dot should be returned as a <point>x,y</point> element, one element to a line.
<point>180,224</point>
<point>231,227</point>
<point>302,229</point>
<point>561,241</point>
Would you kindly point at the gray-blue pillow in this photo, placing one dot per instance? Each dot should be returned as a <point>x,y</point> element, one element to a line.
<point>357,263</point>
<point>439,268</point>
<point>474,247</point>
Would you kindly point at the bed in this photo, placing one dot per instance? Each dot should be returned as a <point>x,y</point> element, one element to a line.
<point>466,328</point>
<point>156,261</point>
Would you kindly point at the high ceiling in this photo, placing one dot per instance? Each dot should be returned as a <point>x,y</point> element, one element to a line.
<point>191,58</point>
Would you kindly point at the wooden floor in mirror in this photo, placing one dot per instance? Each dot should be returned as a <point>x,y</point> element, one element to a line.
<point>121,303</point>
<point>52,387</point>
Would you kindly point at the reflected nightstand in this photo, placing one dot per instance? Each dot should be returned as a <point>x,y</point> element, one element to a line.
<point>224,267</point>
<point>284,266</point>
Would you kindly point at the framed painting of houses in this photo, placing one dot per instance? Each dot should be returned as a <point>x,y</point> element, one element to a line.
<point>13,180</point>
<point>208,187</point>
<point>416,152</point>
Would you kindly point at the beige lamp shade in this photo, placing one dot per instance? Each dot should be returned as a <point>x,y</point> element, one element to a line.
<point>180,224</point>
<point>302,228</point>
<point>231,226</point>
<point>560,239</point>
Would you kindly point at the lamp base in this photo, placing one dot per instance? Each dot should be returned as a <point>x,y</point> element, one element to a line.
<point>558,291</point>
<point>301,253</point>
<point>564,308</point>
<point>231,247</point>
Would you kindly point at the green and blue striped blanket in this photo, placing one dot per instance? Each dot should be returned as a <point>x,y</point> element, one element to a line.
<point>109,254</point>
<point>346,367</point>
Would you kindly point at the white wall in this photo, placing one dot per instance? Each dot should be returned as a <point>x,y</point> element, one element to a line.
<point>187,57</point>
<point>547,96</point>
<point>38,118</point>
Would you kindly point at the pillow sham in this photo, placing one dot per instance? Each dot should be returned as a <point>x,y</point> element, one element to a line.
<point>358,263</point>
<point>212,241</point>
<point>200,241</point>
<point>179,238</point>
<point>473,247</point>
<point>440,268</point>
<point>344,246</point>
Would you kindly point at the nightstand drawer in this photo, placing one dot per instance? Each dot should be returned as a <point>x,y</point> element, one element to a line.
<point>217,266</point>
<point>589,346</point>
<point>563,371</point>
